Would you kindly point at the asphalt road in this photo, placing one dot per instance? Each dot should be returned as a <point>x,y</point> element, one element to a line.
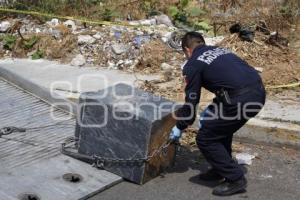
<point>274,175</point>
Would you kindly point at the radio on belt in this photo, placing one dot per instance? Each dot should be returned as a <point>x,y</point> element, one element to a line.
<point>122,125</point>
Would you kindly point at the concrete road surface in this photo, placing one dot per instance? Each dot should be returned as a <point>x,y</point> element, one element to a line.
<point>274,175</point>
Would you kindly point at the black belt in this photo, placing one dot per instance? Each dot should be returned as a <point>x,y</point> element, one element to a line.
<point>225,95</point>
<point>244,90</point>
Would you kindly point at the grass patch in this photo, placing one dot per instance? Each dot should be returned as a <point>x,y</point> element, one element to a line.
<point>9,41</point>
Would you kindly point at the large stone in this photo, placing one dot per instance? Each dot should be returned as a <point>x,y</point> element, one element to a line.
<point>134,125</point>
<point>4,26</point>
<point>98,36</point>
<point>54,22</point>
<point>86,39</point>
<point>71,25</point>
<point>164,19</point>
<point>119,48</point>
<point>78,61</point>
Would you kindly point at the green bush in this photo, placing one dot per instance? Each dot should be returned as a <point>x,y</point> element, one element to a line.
<point>196,12</point>
<point>37,55</point>
<point>9,41</point>
<point>173,11</point>
<point>28,44</point>
<point>202,26</point>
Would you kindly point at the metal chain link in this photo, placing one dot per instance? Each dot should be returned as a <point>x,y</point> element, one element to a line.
<point>102,162</point>
<point>98,161</point>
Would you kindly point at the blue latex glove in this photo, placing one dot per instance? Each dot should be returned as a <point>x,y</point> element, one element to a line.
<point>175,134</point>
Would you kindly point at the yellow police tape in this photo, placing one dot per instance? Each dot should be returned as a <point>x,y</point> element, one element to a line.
<point>83,20</point>
<point>292,85</point>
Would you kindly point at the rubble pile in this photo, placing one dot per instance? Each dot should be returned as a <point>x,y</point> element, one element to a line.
<point>278,63</point>
<point>257,53</point>
<point>115,47</point>
<point>149,47</point>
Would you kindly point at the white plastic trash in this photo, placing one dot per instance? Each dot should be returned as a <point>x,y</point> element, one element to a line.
<point>244,158</point>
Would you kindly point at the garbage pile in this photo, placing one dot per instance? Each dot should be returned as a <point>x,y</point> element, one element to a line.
<point>150,46</point>
<point>258,45</point>
<point>115,47</point>
<point>267,51</point>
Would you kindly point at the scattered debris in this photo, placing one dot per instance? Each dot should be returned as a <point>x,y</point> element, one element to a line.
<point>266,176</point>
<point>70,24</point>
<point>78,61</point>
<point>164,19</point>
<point>145,22</point>
<point>5,26</point>
<point>119,48</point>
<point>54,22</point>
<point>97,36</point>
<point>244,158</point>
<point>86,39</point>
<point>148,49</point>
<point>245,32</point>
<point>212,41</point>
<point>277,40</point>
<point>279,65</point>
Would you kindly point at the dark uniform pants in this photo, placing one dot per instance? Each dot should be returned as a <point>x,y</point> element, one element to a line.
<point>220,122</point>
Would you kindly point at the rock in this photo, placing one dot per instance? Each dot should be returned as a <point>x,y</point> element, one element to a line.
<point>166,37</point>
<point>97,36</point>
<point>111,65</point>
<point>78,61</point>
<point>148,22</point>
<point>120,64</point>
<point>86,39</point>
<point>141,39</point>
<point>144,22</point>
<point>119,48</point>
<point>57,34</point>
<point>54,22</point>
<point>164,19</point>
<point>212,41</point>
<point>4,26</point>
<point>71,25</point>
<point>166,67</point>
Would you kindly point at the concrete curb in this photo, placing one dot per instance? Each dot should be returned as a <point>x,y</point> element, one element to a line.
<point>280,134</point>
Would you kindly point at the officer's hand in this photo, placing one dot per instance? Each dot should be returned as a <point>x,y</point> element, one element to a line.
<point>175,134</point>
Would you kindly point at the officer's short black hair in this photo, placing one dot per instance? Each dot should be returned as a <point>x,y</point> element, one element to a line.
<point>192,40</point>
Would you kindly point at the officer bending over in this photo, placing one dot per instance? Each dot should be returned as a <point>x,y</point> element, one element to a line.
<point>240,95</point>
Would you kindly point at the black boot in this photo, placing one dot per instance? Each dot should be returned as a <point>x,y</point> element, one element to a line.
<point>210,175</point>
<point>229,188</point>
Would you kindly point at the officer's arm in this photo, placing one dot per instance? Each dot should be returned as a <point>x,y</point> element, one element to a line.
<point>187,113</point>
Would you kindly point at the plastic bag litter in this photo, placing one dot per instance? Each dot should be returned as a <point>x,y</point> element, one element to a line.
<point>244,158</point>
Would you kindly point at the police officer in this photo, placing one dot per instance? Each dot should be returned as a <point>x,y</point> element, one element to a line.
<point>240,95</point>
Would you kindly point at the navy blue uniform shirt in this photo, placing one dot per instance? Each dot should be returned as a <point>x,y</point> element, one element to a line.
<point>213,68</point>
